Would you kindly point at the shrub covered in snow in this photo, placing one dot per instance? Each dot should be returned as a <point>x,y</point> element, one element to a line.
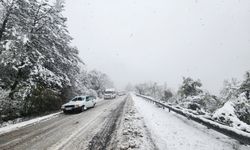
<point>5,105</point>
<point>237,93</point>
<point>191,96</point>
<point>207,102</point>
<point>231,112</point>
<point>41,100</point>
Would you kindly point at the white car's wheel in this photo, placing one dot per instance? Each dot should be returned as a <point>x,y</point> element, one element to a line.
<point>84,108</point>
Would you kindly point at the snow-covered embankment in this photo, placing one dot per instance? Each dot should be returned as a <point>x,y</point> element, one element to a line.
<point>16,126</point>
<point>172,131</point>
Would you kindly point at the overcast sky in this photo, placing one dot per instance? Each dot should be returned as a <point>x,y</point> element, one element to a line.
<point>163,40</point>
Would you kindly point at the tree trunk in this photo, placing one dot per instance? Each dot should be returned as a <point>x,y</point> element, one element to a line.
<point>2,30</point>
<point>14,85</point>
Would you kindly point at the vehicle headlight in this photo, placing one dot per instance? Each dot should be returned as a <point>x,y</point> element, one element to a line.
<point>76,106</point>
<point>62,107</point>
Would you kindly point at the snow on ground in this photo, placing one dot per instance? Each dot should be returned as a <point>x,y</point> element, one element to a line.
<point>174,132</point>
<point>12,127</point>
<point>99,99</point>
<point>131,132</point>
<point>241,129</point>
<point>19,122</point>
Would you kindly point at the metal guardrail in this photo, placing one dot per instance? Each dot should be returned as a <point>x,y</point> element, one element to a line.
<point>241,136</point>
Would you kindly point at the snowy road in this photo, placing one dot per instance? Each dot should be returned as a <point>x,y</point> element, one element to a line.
<point>170,131</point>
<point>73,131</point>
<point>128,122</point>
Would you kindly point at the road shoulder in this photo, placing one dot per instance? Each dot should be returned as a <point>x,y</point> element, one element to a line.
<point>131,132</point>
<point>171,131</point>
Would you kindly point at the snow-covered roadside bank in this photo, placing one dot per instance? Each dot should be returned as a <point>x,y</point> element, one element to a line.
<point>99,99</point>
<point>131,131</point>
<point>18,123</point>
<point>171,131</point>
<point>227,128</point>
<point>12,127</point>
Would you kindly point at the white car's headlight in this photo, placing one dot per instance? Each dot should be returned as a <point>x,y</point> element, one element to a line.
<point>62,107</point>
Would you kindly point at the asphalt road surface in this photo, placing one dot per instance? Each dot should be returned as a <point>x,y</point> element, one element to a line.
<point>87,130</point>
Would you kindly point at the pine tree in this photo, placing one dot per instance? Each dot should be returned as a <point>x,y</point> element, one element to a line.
<point>190,87</point>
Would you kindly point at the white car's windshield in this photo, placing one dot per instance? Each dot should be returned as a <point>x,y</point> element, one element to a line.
<point>77,99</point>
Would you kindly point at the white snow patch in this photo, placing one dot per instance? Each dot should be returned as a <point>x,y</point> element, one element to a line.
<point>226,114</point>
<point>98,99</point>
<point>25,39</point>
<point>8,44</point>
<point>131,132</point>
<point>172,131</point>
<point>13,127</point>
<point>206,118</point>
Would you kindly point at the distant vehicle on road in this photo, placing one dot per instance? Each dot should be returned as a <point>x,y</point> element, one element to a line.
<point>109,94</point>
<point>79,104</point>
<point>121,93</point>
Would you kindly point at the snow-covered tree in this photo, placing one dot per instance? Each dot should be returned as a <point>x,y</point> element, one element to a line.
<point>40,70</point>
<point>167,94</point>
<point>245,86</point>
<point>191,96</point>
<point>236,109</point>
<point>230,89</point>
<point>190,87</point>
<point>235,113</point>
<point>36,56</point>
<point>99,81</point>
<point>141,89</point>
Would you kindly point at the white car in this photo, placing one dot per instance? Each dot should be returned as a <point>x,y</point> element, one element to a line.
<point>79,103</point>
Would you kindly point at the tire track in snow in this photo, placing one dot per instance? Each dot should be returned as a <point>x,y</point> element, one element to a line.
<point>102,138</point>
